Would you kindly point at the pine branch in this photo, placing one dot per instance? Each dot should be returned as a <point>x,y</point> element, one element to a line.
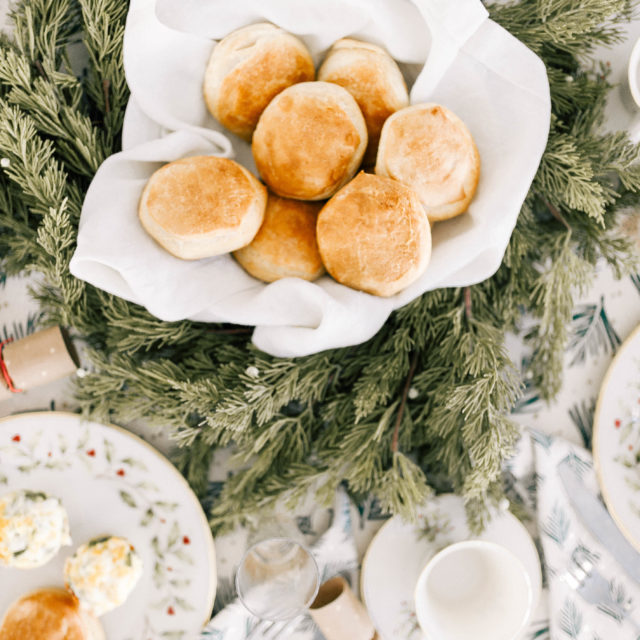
<point>570,27</point>
<point>422,406</point>
<point>403,402</point>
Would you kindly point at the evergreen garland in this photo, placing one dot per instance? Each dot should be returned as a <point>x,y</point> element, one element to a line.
<point>423,405</point>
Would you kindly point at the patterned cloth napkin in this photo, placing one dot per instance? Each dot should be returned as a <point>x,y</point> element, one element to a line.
<point>334,551</point>
<point>538,491</point>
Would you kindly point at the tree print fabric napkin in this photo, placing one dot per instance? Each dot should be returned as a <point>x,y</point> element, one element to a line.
<point>538,495</point>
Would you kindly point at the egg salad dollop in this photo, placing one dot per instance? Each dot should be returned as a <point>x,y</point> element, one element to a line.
<point>102,573</point>
<point>33,527</point>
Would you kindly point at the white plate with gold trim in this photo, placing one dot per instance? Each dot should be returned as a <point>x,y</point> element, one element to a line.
<point>400,550</point>
<point>616,438</point>
<point>113,483</point>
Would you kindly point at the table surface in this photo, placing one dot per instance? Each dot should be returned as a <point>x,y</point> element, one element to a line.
<point>612,308</point>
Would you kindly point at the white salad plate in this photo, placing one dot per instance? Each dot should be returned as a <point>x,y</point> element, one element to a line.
<point>616,438</point>
<point>113,483</point>
<point>400,550</point>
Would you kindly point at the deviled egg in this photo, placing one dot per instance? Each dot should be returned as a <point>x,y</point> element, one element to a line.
<point>33,527</point>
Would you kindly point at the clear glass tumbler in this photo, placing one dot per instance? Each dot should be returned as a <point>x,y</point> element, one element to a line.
<point>277,579</point>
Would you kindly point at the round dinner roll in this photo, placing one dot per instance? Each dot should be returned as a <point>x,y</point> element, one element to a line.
<point>247,69</point>
<point>430,149</point>
<point>309,141</point>
<point>49,614</point>
<point>285,246</point>
<point>374,235</point>
<point>373,78</point>
<point>202,206</point>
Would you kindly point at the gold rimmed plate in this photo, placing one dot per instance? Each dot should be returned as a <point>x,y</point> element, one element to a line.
<point>616,438</point>
<point>400,550</point>
<point>113,483</point>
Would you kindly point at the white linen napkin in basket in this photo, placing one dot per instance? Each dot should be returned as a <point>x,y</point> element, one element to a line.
<point>468,63</point>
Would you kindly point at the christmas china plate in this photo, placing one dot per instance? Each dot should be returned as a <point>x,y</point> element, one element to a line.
<point>113,483</point>
<point>616,438</point>
<point>400,550</point>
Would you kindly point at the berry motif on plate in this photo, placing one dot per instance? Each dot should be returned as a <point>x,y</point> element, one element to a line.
<point>627,429</point>
<point>409,626</point>
<point>22,455</point>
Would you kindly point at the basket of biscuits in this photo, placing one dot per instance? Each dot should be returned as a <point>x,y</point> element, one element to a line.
<point>306,168</point>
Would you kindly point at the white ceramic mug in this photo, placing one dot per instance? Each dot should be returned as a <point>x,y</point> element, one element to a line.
<point>473,590</point>
<point>631,91</point>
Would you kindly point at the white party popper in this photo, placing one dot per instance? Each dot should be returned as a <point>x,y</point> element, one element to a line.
<point>36,360</point>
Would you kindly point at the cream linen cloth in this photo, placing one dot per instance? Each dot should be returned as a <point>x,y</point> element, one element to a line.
<point>462,59</point>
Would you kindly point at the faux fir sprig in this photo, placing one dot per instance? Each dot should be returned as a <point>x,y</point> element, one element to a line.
<point>422,406</point>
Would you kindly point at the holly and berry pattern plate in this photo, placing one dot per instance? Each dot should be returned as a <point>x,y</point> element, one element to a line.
<point>616,438</point>
<point>113,483</point>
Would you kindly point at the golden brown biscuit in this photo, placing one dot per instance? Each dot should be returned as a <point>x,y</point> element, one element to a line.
<point>374,235</point>
<point>309,141</point>
<point>247,69</point>
<point>202,206</point>
<point>429,148</point>
<point>285,246</point>
<point>49,614</point>
<point>373,78</point>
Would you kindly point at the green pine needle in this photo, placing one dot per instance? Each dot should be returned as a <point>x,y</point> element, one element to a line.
<point>421,407</point>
